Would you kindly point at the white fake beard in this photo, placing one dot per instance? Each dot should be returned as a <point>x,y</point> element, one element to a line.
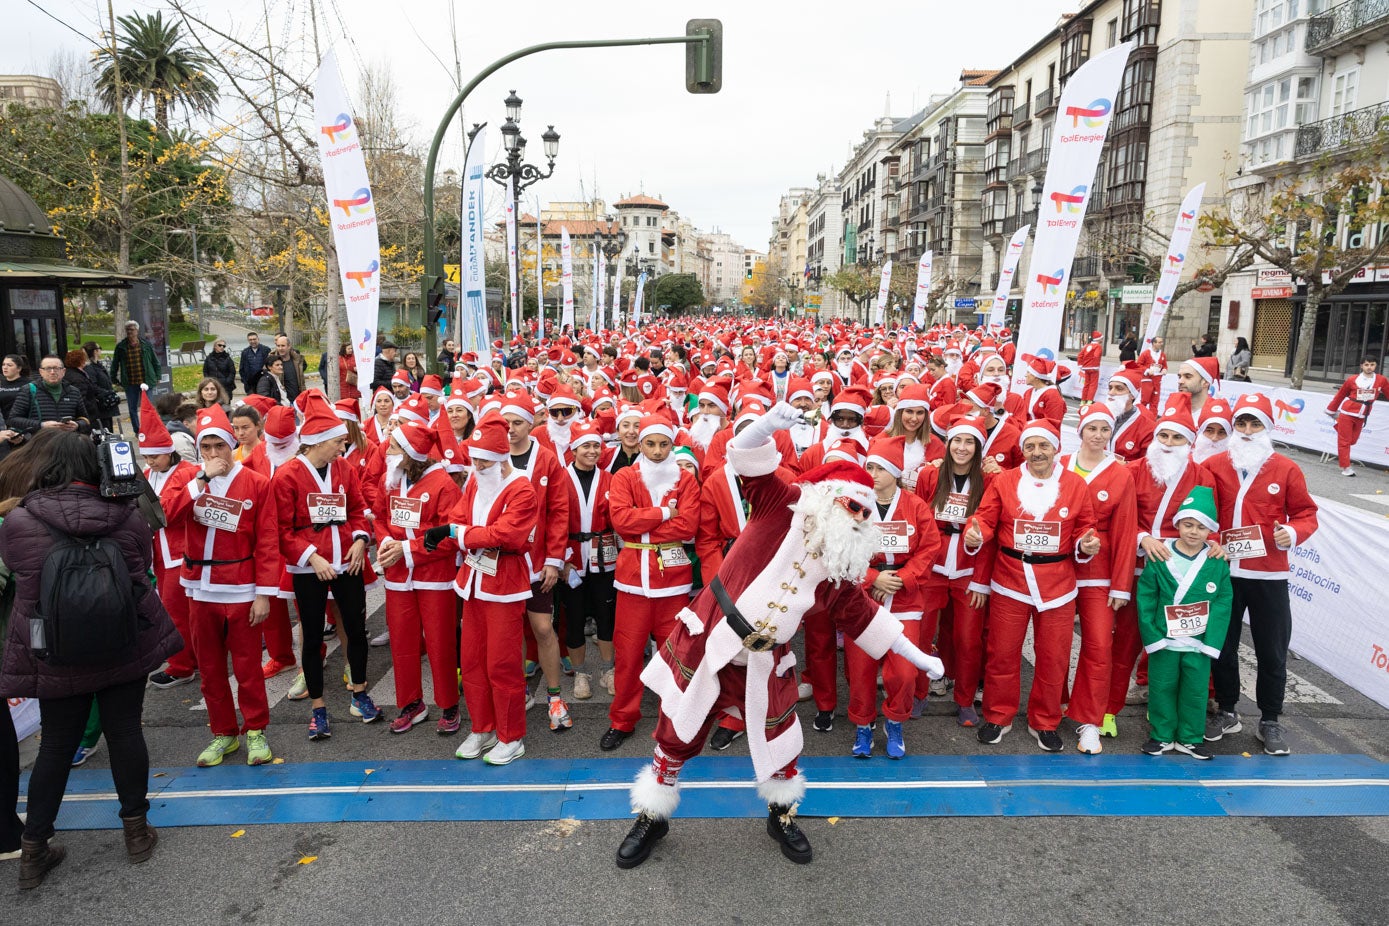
<point>845,369</point>
<point>394,476</point>
<point>953,366</point>
<point>1206,448</point>
<point>1000,380</point>
<point>845,544</point>
<point>703,429</point>
<point>489,485</point>
<point>1036,497</point>
<point>560,433</point>
<point>659,478</point>
<point>834,435</point>
<point>279,453</point>
<point>1249,451</point>
<point>1166,463</point>
<point>1117,404</point>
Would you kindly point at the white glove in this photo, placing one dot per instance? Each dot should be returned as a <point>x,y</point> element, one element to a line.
<point>905,648</point>
<point>778,418</point>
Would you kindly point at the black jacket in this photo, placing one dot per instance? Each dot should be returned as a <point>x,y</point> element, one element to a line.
<point>252,362</point>
<point>381,373</point>
<point>218,364</point>
<point>84,384</point>
<point>35,406</point>
<point>9,391</point>
<point>267,387</point>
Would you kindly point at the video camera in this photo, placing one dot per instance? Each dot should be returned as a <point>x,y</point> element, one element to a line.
<point>120,477</point>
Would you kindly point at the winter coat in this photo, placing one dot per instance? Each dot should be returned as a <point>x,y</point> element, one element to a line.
<point>219,365</point>
<point>37,405</point>
<point>84,384</point>
<point>24,545</point>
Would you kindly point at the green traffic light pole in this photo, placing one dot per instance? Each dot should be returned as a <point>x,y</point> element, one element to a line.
<point>703,74</point>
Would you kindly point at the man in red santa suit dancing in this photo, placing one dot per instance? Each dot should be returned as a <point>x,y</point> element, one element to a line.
<point>1351,406</point>
<point>1089,361</point>
<point>1040,519</point>
<point>805,549</point>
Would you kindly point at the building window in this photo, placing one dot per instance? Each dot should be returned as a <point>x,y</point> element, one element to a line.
<point>1111,33</point>
<point>1344,90</point>
<point>1141,18</point>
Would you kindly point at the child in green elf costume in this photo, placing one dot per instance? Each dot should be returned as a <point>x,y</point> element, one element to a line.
<point>1183,612</point>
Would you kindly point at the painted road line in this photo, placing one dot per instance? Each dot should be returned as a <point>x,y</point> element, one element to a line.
<point>1373,499</point>
<point>596,789</point>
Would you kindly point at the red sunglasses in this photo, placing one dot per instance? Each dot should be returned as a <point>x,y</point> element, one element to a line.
<point>851,506</point>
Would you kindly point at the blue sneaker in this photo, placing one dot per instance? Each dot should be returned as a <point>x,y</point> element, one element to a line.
<point>363,707</point>
<point>896,749</point>
<point>566,666</point>
<point>863,743</point>
<point>530,668</point>
<point>83,754</point>
<point>318,724</point>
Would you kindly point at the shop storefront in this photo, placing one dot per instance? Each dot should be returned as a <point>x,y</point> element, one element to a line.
<point>1350,327</point>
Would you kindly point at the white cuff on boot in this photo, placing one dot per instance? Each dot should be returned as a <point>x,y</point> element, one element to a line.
<point>654,799</point>
<point>782,791</point>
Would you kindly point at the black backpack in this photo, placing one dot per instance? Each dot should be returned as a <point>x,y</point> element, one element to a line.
<point>86,609</point>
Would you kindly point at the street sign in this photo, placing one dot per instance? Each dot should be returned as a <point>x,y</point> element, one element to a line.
<point>965,303</point>
<point>453,273</point>
<point>813,302</point>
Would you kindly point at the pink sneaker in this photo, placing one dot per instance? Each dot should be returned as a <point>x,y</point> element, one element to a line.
<point>410,715</point>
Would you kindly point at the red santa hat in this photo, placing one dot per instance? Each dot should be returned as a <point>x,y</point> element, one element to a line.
<point>348,410</point>
<point>798,387</point>
<point>321,423</point>
<point>1256,405</point>
<point>279,424</point>
<point>520,405</point>
<point>854,399</point>
<point>914,396</point>
<point>431,385</point>
<point>490,439</point>
<point>656,423</point>
<point>1208,368</point>
<point>1041,427</point>
<point>1042,368</point>
<point>1176,416</point>
<point>986,395</point>
<point>821,376</point>
<point>563,396</point>
<point>968,426</point>
<point>261,403</point>
<point>417,441</point>
<point>717,394</point>
<point>889,453</point>
<point>844,479</point>
<point>401,378</point>
<point>1096,336</point>
<point>154,438</point>
<point>1130,379</point>
<point>414,409</point>
<point>1216,411</point>
<point>585,432</point>
<point>1095,411</point>
<point>847,449</point>
<point>630,410</point>
<point>211,422</point>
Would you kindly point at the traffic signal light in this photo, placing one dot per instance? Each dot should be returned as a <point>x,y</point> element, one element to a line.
<point>434,300</point>
<point>704,60</point>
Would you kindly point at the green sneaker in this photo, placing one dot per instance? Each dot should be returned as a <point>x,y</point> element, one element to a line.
<point>257,749</point>
<point>299,690</point>
<point>219,747</point>
<point>1109,727</point>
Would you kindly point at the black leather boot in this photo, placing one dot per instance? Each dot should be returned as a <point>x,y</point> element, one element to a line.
<point>140,838</point>
<point>37,857</point>
<point>641,839</point>
<point>781,826</point>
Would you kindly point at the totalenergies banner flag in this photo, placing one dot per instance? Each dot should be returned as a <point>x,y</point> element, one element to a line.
<point>883,283</point>
<point>351,212</point>
<point>617,294</point>
<point>637,297</point>
<point>472,320</point>
<point>566,261</point>
<point>1082,121</point>
<point>512,273</point>
<point>923,290</point>
<point>1005,276</point>
<point>1176,260</point>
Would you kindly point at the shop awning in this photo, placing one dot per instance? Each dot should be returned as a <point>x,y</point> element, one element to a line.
<point>67,275</point>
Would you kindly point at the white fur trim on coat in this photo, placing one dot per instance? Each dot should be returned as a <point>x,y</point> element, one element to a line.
<point>654,799</point>
<point>756,461</point>
<point>882,631</point>
<point>783,791</point>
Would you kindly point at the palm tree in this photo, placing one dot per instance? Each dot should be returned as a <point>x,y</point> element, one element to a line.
<point>154,67</point>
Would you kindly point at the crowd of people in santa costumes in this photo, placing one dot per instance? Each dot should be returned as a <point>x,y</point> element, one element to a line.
<point>695,497</point>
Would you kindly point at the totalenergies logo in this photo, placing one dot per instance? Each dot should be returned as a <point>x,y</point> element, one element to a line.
<point>365,343</point>
<point>1188,216</point>
<point>1175,260</point>
<point>358,202</point>
<point>1051,283</point>
<point>363,277</point>
<point>1288,411</point>
<point>341,127</point>
<point>1071,202</point>
<point>1162,301</point>
<point>1093,115</point>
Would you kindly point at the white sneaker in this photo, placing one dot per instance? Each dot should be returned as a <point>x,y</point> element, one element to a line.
<point>475,745</point>
<point>1137,694</point>
<point>299,690</point>
<point>606,680</point>
<point>504,753</point>
<point>940,687</point>
<point>1089,739</point>
<point>381,639</point>
<point>531,699</point>
<point>1347,472</point>
<point>583,686</point>
<point>804,692</point>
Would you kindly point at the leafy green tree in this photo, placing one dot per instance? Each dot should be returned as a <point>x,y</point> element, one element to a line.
<point>156,67</point>
<point>679,291</point>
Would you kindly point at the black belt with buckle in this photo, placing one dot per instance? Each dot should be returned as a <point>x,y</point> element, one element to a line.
<point>215,562</point>
<point>889,567</point>
<point>1035,558</point>
<point>758,639</point>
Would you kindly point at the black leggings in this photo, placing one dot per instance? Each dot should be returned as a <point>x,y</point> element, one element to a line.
<point>1271,628</point>
<point>311,598</point>
<point>62,721</point>
<point>11,827</point>
<point>593,598</point>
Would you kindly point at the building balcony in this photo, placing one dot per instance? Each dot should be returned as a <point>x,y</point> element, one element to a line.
<point>939,160</point>
<point>994,228</point>
<point>892,221</point>
<point>1021,116</point>
<point>1347,25</point>
<point>935,202</point>
<point>1087,268</point>
<point>1356,127</point>
<point>995,177</point>
<point>999,126</point>
<point>1045,103</point>
<point>1015,167</point>
<point>1036,161</point>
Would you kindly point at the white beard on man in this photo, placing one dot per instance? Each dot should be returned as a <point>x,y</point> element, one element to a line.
<point>280,452</point>
<point>953,365</point>
<point>560,434</point>
<point>845,544</point>
<point>1036,496</point>
<point>659,478</point>
<point>1167,463</point>
<point>489,486</point>
<point>1205,448</point>
<point>1249,451</point>
<point>834,435</point>
<point>703,429</point>
<point>394,476</point>
<point>1117,404</point>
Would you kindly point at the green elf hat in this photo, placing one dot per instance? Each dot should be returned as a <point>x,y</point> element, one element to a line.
<point>1199,505</point>
<point>686,454</point>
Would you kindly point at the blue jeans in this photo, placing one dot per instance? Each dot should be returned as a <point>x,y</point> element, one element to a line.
<point>132,402</point>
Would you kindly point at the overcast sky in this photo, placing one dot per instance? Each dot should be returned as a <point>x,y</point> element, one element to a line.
<point>801,81</point>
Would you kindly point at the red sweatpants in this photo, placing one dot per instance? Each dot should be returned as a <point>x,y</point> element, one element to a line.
<point>1090,693</point>
<point>1348,430</point>
<point>1051,640</point>
<point>175,599</point>
<point>899,680</point>
<point>820,660</point>
<point>962,641</point>
<point>638,618</point>
<point>494,685</point>
<point>781,702</point>
<point>277,633</point>
<point>220,630</point>
<point>429,612</point>
<point>1150,393</point>
<point>1127,646</point>
<point>1090,384</point>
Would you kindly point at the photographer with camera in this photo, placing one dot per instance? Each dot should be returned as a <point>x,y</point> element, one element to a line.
<point>84,624</point>
<point>50,402</point>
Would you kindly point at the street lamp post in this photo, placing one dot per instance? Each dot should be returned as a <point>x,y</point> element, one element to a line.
<point>192,231</point>
<point>611,246</point>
